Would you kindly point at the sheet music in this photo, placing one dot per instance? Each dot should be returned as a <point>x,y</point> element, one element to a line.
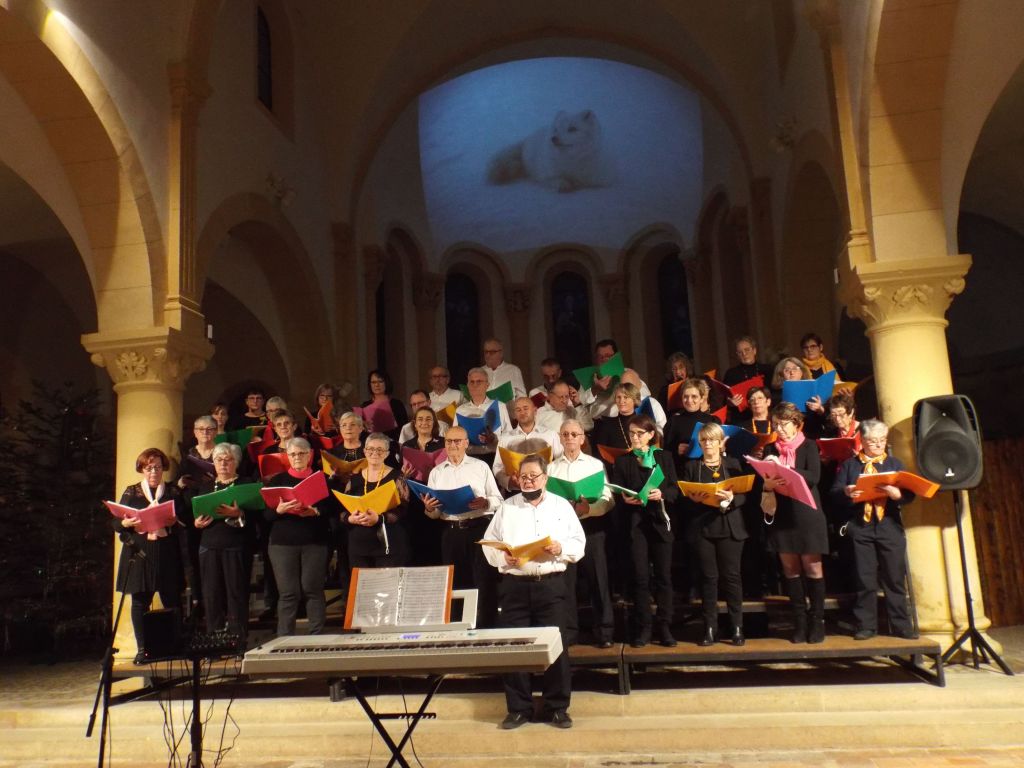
<point>388,597</point>
<point>424,596</point>
<point>376,597</point>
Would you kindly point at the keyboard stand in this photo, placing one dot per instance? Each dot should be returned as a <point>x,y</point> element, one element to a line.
<point>413,718</point>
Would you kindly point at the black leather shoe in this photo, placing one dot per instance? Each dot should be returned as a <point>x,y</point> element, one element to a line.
<point>560,719</point>
<point>514,720</point>
<point>710,637</point>
<point>140,658</point>
<point>864,634</point>
<point>737,636</point>
<point>642,638</point>
<point>816,631</point>
<point>907,634</point>
<point>666,638</point>
<point>604,644</point>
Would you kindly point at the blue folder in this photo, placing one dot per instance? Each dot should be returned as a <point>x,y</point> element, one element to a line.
<point>453,502</point>
<point>799,392</point>
<point>475,425</point>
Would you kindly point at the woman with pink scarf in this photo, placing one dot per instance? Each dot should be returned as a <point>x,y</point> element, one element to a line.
<point>796,531</point>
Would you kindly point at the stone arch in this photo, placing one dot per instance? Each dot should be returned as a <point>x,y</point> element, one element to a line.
<point>297,291</point>
<point>123,247</point>
<point>812,239</point>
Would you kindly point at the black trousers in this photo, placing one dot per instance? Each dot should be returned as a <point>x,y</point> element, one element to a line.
<point>225,589</point>
<point>472,571</point>
<point>652,563</point>
<point>880,554</point>
<point>301,572</point>
<point>592,574</point>
<point>720,565</point>
<point>527,602</point>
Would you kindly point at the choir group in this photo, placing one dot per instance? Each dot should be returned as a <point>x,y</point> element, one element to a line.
<point>712,486</point>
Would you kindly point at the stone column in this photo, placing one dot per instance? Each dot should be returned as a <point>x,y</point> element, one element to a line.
<point>517,306</point>
<point>903,304</point>
<point>149,368</point>
<point>374,263</point>
<point>345,370</point>
<point>616,297</point>
<point>765,295</point>
<point>427,293</point>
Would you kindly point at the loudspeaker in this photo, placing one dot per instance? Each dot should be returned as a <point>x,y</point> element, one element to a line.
<point>162,630</point>
<point>947,440</point>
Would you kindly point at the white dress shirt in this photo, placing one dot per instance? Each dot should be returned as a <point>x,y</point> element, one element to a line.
<point>549,418</point>
<point>513,439</point>
<point>517,522</point>
<point>564,468</point>
<point>506,372</point>
<point>437,402</point>
<point>475,412</point>
<point>448,476</point>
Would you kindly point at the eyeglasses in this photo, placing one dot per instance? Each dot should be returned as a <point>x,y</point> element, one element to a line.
<point>874,440</point>
<point>205,429</point>
<point>777,425</point>
<point>375,451</point>
<point>455,440</point>
<point>811,346</point>
<point>153,468</point>
<point>297,454</point>
<point>638,432</point>
<point>531,478</point>
<point>572,434</point>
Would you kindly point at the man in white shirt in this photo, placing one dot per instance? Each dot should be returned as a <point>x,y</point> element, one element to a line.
<point>418,399</point>
<point>462,531</point>
<point>599,395</point>
<point>441,394</point>
<point>574,465</point>
<point>533,593</point>
<point>479,402</point>
<point>498,371</point>
<point>527,437</point>
<point>559,408</point>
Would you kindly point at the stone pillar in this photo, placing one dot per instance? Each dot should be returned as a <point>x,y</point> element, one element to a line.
<point>702,312</point>
<point>149,368</point>
<point>427,293</point>
<point>765,295</point>
<point>374,263</point>
<point>345,370</point>
<point>616,297</point>
<point>517,306</point>
<point>903,304</point>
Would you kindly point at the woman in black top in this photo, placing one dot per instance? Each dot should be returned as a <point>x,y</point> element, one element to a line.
<point>797,531</point>
<point>651,529</point>
<point>299,537</point>
<point>719,532</point>
<point>380,386</point>
<point>376,539</point>
<point>421,529</point>
<point>222,550</point>
<point>164,552</point>
<point>427,431</point>
<point>679,429</point>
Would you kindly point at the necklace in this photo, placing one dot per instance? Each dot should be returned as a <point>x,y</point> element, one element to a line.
<point>625,438</point>
<point>380,478</point>
<point>715,469</point>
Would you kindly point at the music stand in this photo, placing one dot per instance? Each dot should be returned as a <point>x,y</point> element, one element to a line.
<point>979,645</point>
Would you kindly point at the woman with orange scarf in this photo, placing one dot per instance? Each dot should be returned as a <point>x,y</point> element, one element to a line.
<point>814,357</point>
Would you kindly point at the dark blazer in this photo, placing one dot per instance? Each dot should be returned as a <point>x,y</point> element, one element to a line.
<point>848,473</point>
<point>628,473</point>
<point>712,522</point>
<point>807,465</point>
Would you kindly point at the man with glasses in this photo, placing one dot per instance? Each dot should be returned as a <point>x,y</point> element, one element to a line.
<point>879,541</point>
<point>562,405</point>
<point>574,465</point>
<point>476,407</point>
<point>498,371</point>
<point>534,593</point>
<point>527,437</point>
<point>462,531</point>
<point>441,394</point>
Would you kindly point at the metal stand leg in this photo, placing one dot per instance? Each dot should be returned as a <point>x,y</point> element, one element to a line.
<point>979,645</point>
<point>377,718</point>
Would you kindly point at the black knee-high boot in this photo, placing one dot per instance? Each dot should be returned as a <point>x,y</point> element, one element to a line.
<point>816,626</point>
<point>795,588</point>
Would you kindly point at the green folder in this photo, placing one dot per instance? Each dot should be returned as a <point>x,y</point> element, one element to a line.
<point>247,495</point>
<point>503,394</point>
<point>588,488</point>
<point>239,437</point>
<point>613,367</point>
<point>652,482</point>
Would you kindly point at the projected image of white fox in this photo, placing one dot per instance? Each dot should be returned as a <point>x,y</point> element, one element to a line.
<point>566,156</point>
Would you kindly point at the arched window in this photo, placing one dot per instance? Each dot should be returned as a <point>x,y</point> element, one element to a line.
<point>264,61</point>
<point>674,306</point>
<point>570,320</point>
<point>462,324</point>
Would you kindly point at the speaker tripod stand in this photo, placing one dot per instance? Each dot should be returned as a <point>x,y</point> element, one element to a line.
<point>979,645</point>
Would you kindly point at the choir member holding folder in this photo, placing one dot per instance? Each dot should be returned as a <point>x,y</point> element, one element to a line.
<point>161,568</point>
<point>380,386</point>
<point>814,357</point>
<point>222,549</point>
<point>678,369</point>
<point>376,536</point>
<point>879,541</point>
<point>422,529</point>
<point>323,400</point>
<point>298,543</point>
<point>794,369</point>
<point>651,529</point>
<point>680,425</point>
<point>716,525</point>
<point>797,530</point>
<point>591,508</point>
<point>350,447</point>
<point>746,368</point>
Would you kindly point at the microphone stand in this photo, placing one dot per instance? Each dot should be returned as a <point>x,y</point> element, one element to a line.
<point>107,675</point>
<point>979,645</point>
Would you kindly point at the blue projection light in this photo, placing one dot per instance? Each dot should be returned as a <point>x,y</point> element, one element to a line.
<point>530,153</point>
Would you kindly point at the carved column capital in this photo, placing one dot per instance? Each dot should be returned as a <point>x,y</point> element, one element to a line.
<point>517,298</point>
<point>889,293</point>
<point>153,356</point>
<point>427,291</point>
